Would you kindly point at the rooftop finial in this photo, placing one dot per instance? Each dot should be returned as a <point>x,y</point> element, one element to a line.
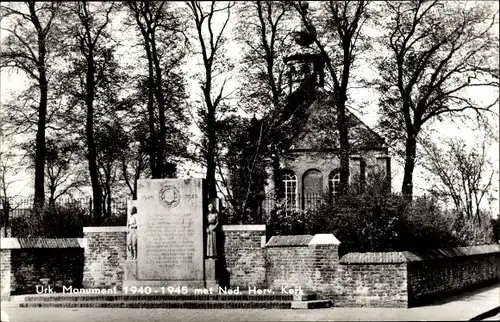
<point>305,37</point>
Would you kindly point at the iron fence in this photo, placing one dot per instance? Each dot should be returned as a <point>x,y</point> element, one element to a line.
<point>297,201</point>
<point>17,207</point>
<point>291,203</point>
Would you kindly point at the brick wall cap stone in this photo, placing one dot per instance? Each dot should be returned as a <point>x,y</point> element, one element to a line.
<point>9,243</point>
<point>373,258</point>
<point>244,227</point>
<point>324,239</point>
<point>105,229</point>
<point>290,240</point>
<point>405,256</point>
<point>82,242</point>
<point>26,243</point>
<point>451,252</point>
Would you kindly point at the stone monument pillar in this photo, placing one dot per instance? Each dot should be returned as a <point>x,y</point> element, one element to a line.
<point>171,236</point>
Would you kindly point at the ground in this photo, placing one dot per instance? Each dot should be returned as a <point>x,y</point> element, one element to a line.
<point>462,307</point>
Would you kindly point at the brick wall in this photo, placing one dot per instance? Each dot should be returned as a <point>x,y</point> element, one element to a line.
<point>445,272</point>
<point>406,279</point>
<point>244,255</point>
<point>63,266</point>
<point>372,280</point>
<point>5,273</point>
<point>304,260</point>
<point>290,266</point>
<point>25,261</point>
<point>396,279</point>
<point>325,267</point>
<point>105,256</point>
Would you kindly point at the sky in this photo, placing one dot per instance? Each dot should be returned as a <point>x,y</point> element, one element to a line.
<point>11,82</point>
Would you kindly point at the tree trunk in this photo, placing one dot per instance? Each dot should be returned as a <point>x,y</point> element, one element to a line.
<point>40,142</point>
<point>411,149</point>
<point>134,193</point>
<point>107,191</point>
<point>151,115</point>
<point>89,132</point>
<point>212,186</point>
<point>344,145</point>
<point>52,199</point>
<point>109,203</point>
<point>42,110</point>
<point>276,175</point>
<point>160,99</point>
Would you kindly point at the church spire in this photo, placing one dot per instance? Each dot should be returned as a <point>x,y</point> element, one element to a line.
<point>306,62</point>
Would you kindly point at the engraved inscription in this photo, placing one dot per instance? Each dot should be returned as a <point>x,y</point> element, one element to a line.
<point>173,236</point>
<point>190,196</point>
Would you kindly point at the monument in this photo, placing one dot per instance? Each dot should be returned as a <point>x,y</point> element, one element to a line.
<point>170,216</point>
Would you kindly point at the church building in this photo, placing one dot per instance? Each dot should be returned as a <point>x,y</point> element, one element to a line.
<point>310,168</point>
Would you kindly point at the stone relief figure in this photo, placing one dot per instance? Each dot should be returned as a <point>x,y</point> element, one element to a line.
<point>213,223</point>
<point>132,234</point>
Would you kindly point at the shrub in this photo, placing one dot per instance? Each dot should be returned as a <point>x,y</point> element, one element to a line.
<point>424,225</point>
<point>115,220</point>
<point>375,222</point>
<point>55,221</point>
<point>361,223</point>
<point>495,227</point>
<point>30,224</point>
<point>475,233</point>
<point>287,221</point>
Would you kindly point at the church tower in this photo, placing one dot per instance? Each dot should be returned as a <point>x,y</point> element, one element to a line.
<point>306,62</point>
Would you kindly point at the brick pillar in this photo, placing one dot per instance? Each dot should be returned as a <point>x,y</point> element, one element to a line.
<point>105,255</point>
<point>5,273</point>
<point>7,278</point>
<point>325,263</point>
<point>244,254</point>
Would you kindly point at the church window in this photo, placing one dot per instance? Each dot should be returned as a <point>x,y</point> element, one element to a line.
<point>333,183</point>
<point>289,188</point>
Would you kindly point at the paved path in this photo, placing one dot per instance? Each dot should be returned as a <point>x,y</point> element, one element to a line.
<point>493,318</point>
<point>463,307</point>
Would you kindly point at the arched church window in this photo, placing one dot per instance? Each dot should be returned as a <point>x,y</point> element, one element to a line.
<point>333,183</point>
<point>289,183</point>
<point>312,188</point>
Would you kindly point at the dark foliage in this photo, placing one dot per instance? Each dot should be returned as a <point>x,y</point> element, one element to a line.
<point>59,221</point>
<point>251,145</point>
<point>377,223</point>
<point>62,220</point>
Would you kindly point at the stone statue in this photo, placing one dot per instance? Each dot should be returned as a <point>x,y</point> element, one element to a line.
<point>132,234</point>
<point>213,222</point>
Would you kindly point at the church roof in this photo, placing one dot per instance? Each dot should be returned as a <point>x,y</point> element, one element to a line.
<point>319,130</point>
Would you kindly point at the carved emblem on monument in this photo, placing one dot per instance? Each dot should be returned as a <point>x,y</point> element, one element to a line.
<point>169,196</point>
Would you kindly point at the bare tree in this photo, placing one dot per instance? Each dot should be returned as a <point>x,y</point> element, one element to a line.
<point>157,22</point>
<point>92,71</point>
<point>134,165</point>
<point>464,175</point>
<point>211,41</point>
<point>29,46</point>
<point>8,170</point>
<point>263,29</point>
<point>338,35</point>
<point>438,50</point>
<point>62,172</point>
<point>111,141</point>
